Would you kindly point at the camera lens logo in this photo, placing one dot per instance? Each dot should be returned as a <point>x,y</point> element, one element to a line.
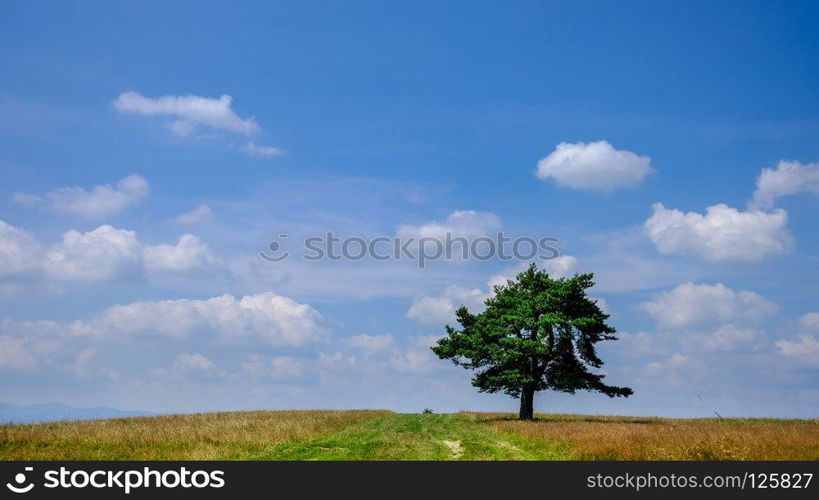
<point>20,478</point>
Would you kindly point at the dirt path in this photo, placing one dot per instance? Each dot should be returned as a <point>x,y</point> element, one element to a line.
<point>455,447</point>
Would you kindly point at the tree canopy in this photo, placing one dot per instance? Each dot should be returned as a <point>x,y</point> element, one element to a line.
<point>537,333</point>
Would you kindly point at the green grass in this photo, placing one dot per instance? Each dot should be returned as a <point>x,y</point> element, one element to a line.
<point>382,435</point>
<point>418,437</point>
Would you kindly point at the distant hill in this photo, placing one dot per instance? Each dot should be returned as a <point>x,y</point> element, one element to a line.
<point>48,412</point>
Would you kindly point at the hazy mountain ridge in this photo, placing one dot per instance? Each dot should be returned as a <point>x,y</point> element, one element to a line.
<point>49,412</point>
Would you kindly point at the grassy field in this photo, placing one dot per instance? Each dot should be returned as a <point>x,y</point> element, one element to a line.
<point>382,435</point>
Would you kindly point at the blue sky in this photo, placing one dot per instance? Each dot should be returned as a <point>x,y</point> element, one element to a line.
<point>140,286</point>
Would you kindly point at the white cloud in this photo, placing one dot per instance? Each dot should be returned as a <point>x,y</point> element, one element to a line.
<point>696,304</point>
<point>722,234</point>
<point>441,309</point>
<point>806,348</point>
<point>790,177</point>
<point>560,267</point>
<point>267,317</point>
<point>107,253</point>
<point>594,166</point>
<point>370,344</point>
<point>104,253</point>
<point>98,202</point>
<point>467,224</point>
<point>101,254</point>
<point>190,112</point>
<point>276,319</point>
<point>188,254</point>
<point>19,251</point>
<point>455,238</point>
<point>260,151</point>
<point>731,337</point>
<point>199,215</point>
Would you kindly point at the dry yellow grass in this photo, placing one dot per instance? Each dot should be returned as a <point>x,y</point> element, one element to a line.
<point>362,434</point>
<point>634,438</point>
<point>212,436</point>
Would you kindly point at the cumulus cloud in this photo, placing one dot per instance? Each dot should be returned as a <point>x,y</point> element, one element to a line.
<point>199,215</point>
<point>806,348</point>
<point>19,251</point>
<point>98,202</point>
<point>105,253</point>
<point>454,238</point>
<point>692,304</point>
<point>259,150</point>
<point>189,253</point>
<point>562,266</point>
<point>806,345</point>
<point>594,166</point>
<point>272,318</point>
<point>276,319</point>
<point>101,254</point>
<point>722,234</point>
<point>189,112</point>
<point>441,308</point>
<point>466,224</point>
<point>789,177</point>
<point>732,337</point>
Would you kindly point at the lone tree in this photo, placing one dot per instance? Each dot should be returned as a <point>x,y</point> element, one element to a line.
<point>537,333</point>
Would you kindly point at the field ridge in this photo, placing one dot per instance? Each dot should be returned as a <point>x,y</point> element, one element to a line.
<point>384,435</point>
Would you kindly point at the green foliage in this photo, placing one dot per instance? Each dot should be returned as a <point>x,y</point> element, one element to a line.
<point>537,333</point>
<point>427,411</point>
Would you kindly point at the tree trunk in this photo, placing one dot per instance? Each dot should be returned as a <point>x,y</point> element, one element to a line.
<point>527,403</point>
